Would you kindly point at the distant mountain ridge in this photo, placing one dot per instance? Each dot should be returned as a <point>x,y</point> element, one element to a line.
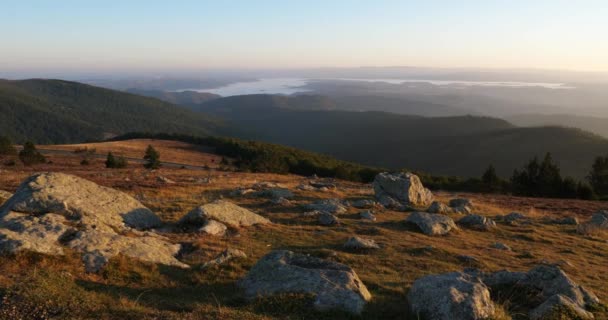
<point>185,98</point>
<point>57,111</point>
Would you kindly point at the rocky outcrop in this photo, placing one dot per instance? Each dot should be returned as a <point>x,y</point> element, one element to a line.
<point>51,211</point>
<point>439,207</point>
<point>600,219</point>
<point>367,215</point>
<point>449,296</point>
<point>333,285</point>
<point>363,203</point>
<point>327,219</point>
<point>557,307</point>
<point>404,188</point>
<point>477,222</point>
<point>274,193</point>
<point>432,224</point>
<point>225,212</point>
<point>214,228</point>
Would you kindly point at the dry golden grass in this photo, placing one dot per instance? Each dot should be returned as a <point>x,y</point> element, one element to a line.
<point>130,289</point>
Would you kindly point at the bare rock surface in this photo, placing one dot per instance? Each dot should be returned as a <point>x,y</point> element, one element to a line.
<point>79,199</point>
<point>213,228</point>
<point>432,224</point>
<point>558,306</point>
<point>51,211</point>
<point>448,296</point>
<point>225,212</point>
<point>405,188</point>
<point>334,285</point>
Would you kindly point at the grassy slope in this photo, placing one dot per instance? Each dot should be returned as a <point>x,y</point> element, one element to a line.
<point>56,111</point>
<point>128,289</point>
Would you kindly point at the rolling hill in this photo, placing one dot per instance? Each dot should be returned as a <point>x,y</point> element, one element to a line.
<point>597,125</point>
<point>461,145</point>
<point>56,111</point>
<point>185,98</point>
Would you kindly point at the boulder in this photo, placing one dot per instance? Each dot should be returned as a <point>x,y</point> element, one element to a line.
<point>403,187</point>
<point>449,296</point>
<point>514,217</point>
<point>305,187</point>
<point>327,205</point>
<point>225,212</point>
<point>551,280</point>
<point>363,203</point>
<point>323,185</point>
<point>241,192</point>
<point>226,255</point>
<point>79,199</point>
<point>51,211</point>
<point>280,201</point>
<point>573,221</point>
<point>461,202</point>
<point>367,215</point>
<point>327,219</point>
<point>559,307</point>
<point>165,180</point>
<point>432,224</point>
<point>439,207</point>
<point>214,228</point>
<point>501,246</point>
<point>275,193</point>
<point>333,285</point>
<point>358,243</point>
<point>100,246</point>
<point>600,219</point>
<point>477,222</point>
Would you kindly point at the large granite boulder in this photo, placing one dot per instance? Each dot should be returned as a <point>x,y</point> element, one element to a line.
<point>79,199</point>
<point>449,296</point>
<point>405,188</point>
<point>559,307</point>
<point>51,211</point>
<point>225,212</point>
<point>334,285</point>
<point>432,224</point>
<point>477,222</point>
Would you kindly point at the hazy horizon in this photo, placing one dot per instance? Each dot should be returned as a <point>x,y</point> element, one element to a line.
<point>147,37</point>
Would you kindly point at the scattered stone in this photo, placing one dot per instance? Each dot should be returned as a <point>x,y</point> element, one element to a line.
<point>306,187</point>
<point>405,188</point>
<point>242,192</point>
<point>468,259</point>
<point>501,246</point>
<point>439,207</point>
<point>367,215</point>
<point>328,219</point>
<point>281,201</point>
<point>600,219</point>
<point>214,228</point>
<point>448,296</point>
<point>363,203</point>
<point>513,217</point>
<point>388,202</point>
<point>166,180</point>
<point>558,307</point>
<point>477,222</point>
<point>432,224</point>
<point>327,205</point>
<point>323,185</point>
<point>274,193</point>
<point>265,185</point>
<point>358,243</point>
<point>461,202</point>
<point>551,280</point>
<point>334,285</point>
<point>314,213</point>
<point>224,212</point>
<point>226,255</point>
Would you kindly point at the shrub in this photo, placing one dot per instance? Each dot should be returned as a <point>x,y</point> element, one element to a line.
<point>152,158</point>
<point>30,155</point>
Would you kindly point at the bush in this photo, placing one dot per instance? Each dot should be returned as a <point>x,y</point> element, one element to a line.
<point>30,155</point>
<point>152,158</point>
<point>113,162</point>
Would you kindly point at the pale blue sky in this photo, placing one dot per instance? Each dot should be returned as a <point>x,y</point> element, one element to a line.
<point>165,35</point>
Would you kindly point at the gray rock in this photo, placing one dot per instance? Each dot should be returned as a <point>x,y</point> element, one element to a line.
<point>363,203</point>
<point>503,278</point>
<point>275,193</point>
<point>79,199</point>
<point>214,228</point>
<point>449,296</point>
<point>24,232</point>
<point>242,192</point>
<point>477,222</point>
<point>226,255</point>
<point>551,280</point>
<point>327,205</point>
<point>306,187</point>
<point>323,185</point>
<point>281,201</point>
<point>514,217</point>
<point>461,202</point>
<point>501,246</point>
<point>403,187</point>
<point>166,180</point>
<point>558,307</point>
<point>328,219</point>
<point>439,207</point>
<point>389,202</point>
<point>224,212</point>
<point>358,243</point>
<point>432,224</point>
<point>600,219</point>
<point>567,221</point>
<point>334,285</point>
<point>265,185</point>
<point>367,215</point>
<point>314,213</point>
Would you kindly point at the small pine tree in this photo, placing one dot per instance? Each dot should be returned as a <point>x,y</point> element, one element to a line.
<point>598,177</point>
<point>110,161</point>
<point>7,147</point>
<point>152,158</point>
<point>490,179</point>
<point>30,155</point>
